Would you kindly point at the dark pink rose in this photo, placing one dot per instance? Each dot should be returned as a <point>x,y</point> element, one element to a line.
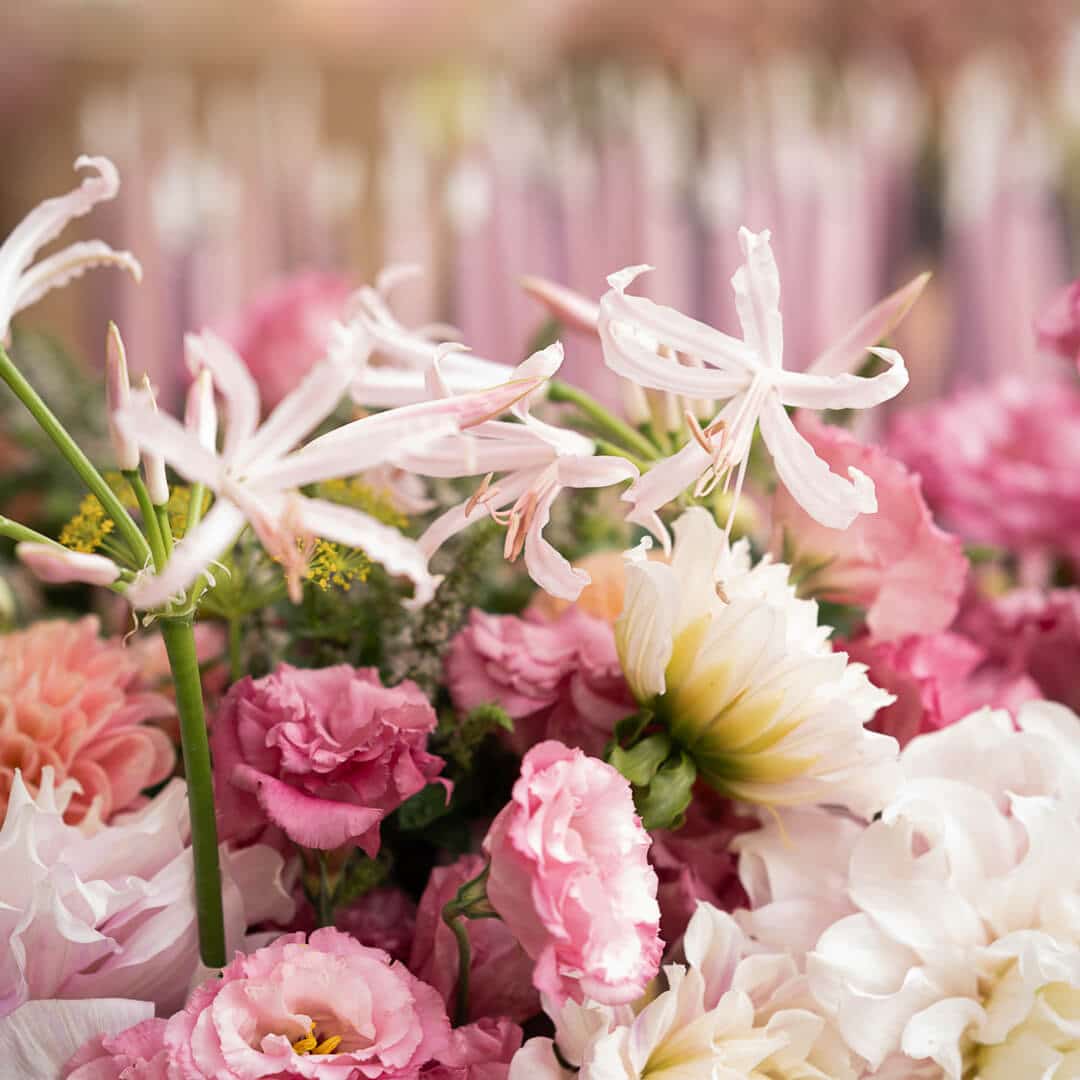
<point>322,754</point>
<point>135,1054</point>
<point>1001,465</point>
<point>500,980</point>
<point>480,1051</point>
<point>284,1009</point>
<point>697,862</point>
<point>1058,327</point>
<point>286,329</point>
<point>1032,632</point>
<point>906,572</point>
<point>570,877</point>
<point>557,679</point>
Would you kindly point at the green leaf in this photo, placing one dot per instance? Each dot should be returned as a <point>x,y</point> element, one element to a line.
<point>425,807</point>
<point>662,805</point>
<point>629,728</point>
<point>360,875</point>
<point>640,762</point>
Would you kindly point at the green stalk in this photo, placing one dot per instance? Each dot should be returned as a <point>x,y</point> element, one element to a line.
<point>180,645</point>
<point>21,533</point>
<point>605,421</point>
<point>151,524</point>
<point>195,501</point>
<point>162,515</point>
<point>451,915</point>
<point>76,458</point>
<point>236,638</point>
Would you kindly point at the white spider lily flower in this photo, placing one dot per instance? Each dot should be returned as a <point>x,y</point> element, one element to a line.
<point>743,677</point>
<point>256,473</point>
<point>537,461</point>
<point>397,359</point>
<point>23,284</point>
<point>748,375</point>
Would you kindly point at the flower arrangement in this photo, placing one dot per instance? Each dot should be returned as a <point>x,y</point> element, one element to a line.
<point>751,771</point>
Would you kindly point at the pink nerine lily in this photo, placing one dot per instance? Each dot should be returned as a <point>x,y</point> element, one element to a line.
<point>538,461</point>
<point>255,476</point>
<point>749,376</point>
<point>406,355</point>
<point>22,284</point>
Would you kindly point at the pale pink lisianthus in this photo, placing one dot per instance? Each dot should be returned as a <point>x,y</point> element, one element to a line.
<point>479,1051</point>
<point>937,679</point>
<point>1058,327</point>
<point>384,918</point>
<point>246,1023</point>
<point>1000,465</point>
<point>500,972</point>
<point>570,877</point>
<point>906,572</point>
<point>322,754</point>
<point>557,679</point>
<point>285,331</point>
<point>1031,632</point>
<point>135,1054</point>
<point>78,704</point>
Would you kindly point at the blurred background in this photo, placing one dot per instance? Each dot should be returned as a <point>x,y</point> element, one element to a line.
<point>567,138</point>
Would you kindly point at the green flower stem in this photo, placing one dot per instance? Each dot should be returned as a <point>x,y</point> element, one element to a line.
<point>180,645</point>
<point>605,421</point>
<point>67,446</point>
<point>196,497</point>
<point>21,533</point>
<point>162,515</point>
<point>151,524</point>
<point>451,915</point>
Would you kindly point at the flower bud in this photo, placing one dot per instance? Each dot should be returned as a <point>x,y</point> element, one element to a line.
<point>200,413</point>
<point>157,483</point>
<point>56,565</point>
<point>117,397</point>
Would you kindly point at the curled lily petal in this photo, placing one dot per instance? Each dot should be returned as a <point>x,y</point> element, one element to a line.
<point>827,497</point>
<point>550,570</point>
<point>463,515</point>
<point>66,265</point>
<point>757,297</point>
<point>845,391</point>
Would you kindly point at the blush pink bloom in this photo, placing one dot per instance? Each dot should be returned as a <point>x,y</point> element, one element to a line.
<point>384,918</point>
<point>285,331</point>
<point>937,679</point>
<point>557,679</point>
<point>697,863</point>
<point>77,703</point>
<point>480,1051</point>
<point>1032,632</point>
<point>500,972</point>
<point>897,563</point>
<point>570,877</point>
<point>1000,465</point>
<point>1058,327</point>
<point>322,754</point>
<point>246,1023</point>
<point>135,1054</point>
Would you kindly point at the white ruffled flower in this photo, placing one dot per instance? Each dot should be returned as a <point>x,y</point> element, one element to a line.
<point>729,1013</point>
<point>743,677</point>
<point>960,954</point>
<point>112,914</point>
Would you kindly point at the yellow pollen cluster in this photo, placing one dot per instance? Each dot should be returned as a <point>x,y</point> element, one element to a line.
<point>309,1044</point>
<point>179,503</point>
<point>88,528</point>
<point>353,491</point>
<point>333,565</point>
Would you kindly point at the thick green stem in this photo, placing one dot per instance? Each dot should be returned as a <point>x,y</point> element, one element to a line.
<point>20,533</point>
<point>151,525</point>
<point>602,419</point>
<point>196,497</point>
<point>236,639</point>
<point>67,446</point>
<point>180,645</point>
<point>162,515</point>
<point>452,917</point>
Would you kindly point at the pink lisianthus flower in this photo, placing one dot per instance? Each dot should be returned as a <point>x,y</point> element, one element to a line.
<point>480,1051</point>
<point>1058,327</point>
<point>556,680</point>
<point>135,1054</point>
<point>285,331</point>
<point>571,879</point>
<point>1032,632</point>
<point>329,1008</point>
<point>500,972</point>
<point>937,679</point>
<point>897,563</point>
<point>322,754</point>
<point>384,918</point>
<point>76,703</point>
<point>1000,465</point>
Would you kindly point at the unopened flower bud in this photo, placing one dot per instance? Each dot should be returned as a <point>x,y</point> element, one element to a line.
<point>56,565</point>
<point>118,396</point>
<point>157,484</point>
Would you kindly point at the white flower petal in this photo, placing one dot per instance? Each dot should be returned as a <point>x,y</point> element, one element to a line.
<point>844,391</point>
<point>66,265</point>
<point>645,630</point>
<point>164,437</point>
<point>233,381</point>
<point>757,297</point>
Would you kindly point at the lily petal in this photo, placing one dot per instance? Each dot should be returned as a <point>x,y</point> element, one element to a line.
<point>844,391</point>
<point>825,496</point>
<point>591,472</point>
<point>571,309</point>
<point>59,566</point>
<point>66,265</point>
<point>205,544</point>
<point>40,1037</point>
<point>381,543</point>
<point>550,570</point>
<point>666,481</point>
<point>757,297</point>
<point>207,351</point>
<point>460,517</point>
<point>162,435</point>
<point>847,354</point>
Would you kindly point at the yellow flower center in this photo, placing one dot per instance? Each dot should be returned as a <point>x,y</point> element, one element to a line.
<point>311,1044</point>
